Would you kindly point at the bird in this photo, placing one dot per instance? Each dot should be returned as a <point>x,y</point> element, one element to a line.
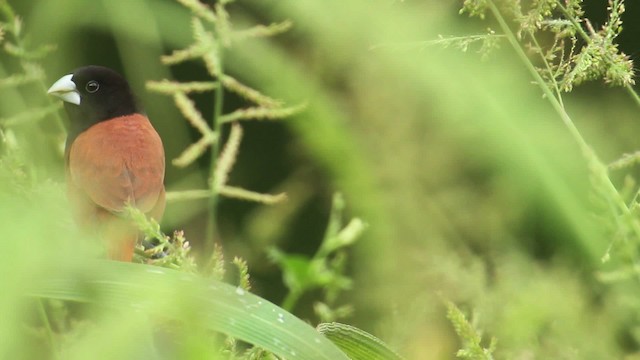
<point>113,157</point>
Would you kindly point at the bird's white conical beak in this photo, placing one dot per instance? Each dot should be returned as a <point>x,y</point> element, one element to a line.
<point>65,89</point>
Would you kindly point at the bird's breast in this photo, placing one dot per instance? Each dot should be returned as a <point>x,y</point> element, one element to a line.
<point>119,160</point>
<point>128,140</point>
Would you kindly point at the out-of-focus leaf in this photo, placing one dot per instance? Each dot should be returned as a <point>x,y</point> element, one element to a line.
<point>223,308</point>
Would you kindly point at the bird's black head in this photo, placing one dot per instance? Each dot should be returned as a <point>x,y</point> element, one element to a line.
<point>93,94</point>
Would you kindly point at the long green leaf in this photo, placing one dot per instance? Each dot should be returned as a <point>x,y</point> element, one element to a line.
<point>224,308</point>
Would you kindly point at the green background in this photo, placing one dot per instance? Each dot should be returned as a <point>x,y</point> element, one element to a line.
<point>473,190</point>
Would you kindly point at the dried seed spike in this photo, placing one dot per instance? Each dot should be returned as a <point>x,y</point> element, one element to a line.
<point>177,56</point>
<point>194,151</point>
<point>264,30</point>
<point>199,9</point>
<point>262,113</point>
<point>248,93</point>
<point>212,62</point>
<point>228,157</point>
<point>223,26</point>
<point>171,87</point>
<point>243,194</point>
<point>189,110</point>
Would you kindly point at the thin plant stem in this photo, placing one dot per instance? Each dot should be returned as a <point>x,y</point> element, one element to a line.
<point>598,168</point>
<point>218,101</point>
<point>556,88</point>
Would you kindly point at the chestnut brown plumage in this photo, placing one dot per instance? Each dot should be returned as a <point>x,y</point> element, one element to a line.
<point>114,157</point>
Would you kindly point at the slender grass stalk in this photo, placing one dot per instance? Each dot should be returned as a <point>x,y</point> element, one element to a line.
<point>216,125</point>
<point>598,169</point>
<point>556,88</point>
<point>634,95</point>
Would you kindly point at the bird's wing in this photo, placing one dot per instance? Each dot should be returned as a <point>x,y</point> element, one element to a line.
<point>119,161</point>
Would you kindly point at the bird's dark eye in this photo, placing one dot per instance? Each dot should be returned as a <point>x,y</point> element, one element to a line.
<point>92,86</point>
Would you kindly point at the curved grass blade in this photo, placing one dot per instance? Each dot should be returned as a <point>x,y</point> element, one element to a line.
<point>357,344</point>
<point>222,307</point>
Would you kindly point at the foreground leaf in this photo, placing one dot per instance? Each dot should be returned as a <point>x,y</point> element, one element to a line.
<point>223,308</point>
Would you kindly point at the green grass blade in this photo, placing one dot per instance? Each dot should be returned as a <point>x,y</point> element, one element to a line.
<point>168,293</point>
<point>356,343</point>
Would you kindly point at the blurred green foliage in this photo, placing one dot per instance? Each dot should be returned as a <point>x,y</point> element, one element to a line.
<point>473,188</point>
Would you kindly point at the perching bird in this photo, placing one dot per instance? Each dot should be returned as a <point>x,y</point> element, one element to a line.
<point>113,157</point>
